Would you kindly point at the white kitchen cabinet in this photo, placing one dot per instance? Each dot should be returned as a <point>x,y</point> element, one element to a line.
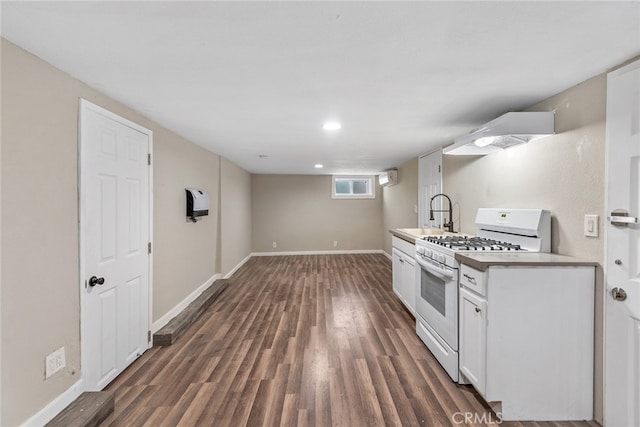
<point>527,344</point>
<point>404,273</point>
<point>473,279</point>
<point>473,333</point>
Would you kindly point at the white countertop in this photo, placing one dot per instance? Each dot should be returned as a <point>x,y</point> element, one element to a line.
<point>482,261</point>
<point>411,234</point>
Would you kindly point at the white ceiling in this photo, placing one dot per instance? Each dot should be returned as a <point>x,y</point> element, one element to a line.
<point>249,78</point>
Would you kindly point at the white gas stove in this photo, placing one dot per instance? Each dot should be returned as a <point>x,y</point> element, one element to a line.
<point>499,230</point>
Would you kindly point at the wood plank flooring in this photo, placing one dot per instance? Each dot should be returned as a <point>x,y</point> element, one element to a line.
<point>300,341</point>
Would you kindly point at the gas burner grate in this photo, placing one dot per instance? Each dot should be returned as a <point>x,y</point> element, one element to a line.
<point>462,243</point>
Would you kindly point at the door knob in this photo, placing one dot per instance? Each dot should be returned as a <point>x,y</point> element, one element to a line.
<point>96,281</point>
<point>619,294</point>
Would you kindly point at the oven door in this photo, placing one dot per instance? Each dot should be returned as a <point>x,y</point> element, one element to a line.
<point>437,298</point>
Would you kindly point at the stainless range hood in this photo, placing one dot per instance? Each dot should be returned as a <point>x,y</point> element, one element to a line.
<point>505,131</point>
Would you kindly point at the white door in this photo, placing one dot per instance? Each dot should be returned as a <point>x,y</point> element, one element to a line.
<point>430,184</point>
<point>115,235</point>
<point>622,299</point>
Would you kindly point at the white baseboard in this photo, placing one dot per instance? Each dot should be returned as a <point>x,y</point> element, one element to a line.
<point>56,406</point>
<point>240,264</point>
<point>387,255</point>
<point>352,251</point>
<point>158,324</point>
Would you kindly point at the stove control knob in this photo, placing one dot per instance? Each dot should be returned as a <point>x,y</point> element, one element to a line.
<point>428,253</point>
<point>420,250</point>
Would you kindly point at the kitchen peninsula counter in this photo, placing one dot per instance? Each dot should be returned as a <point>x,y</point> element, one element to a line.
<point>484,260</point>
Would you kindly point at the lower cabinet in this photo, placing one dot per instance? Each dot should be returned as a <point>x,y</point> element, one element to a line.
<point>404,278</point>
<point>473,333</point>
<point>527,340</point>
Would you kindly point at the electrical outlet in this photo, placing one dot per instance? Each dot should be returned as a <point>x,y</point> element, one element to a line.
<point>335,243</point>
<point>591,225</point>
<point>54,362</point>
<point>275,244</point>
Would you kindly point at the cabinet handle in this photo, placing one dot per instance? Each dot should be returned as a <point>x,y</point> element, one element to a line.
<point>478,310</point>
<point>470,278</point>
<point>401,260</point>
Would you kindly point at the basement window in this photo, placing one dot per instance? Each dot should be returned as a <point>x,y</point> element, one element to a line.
<point>353,187</point>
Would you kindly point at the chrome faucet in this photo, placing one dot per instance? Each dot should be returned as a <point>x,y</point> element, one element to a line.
<point>447,225</point>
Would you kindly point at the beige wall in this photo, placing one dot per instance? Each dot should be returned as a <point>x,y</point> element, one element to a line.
<point>235,203</point>
<point>40,259</point>
<point>184,252</point>
<point>399,202</point>
<point>40,284</point>
<point>298,213</point>
<point>563,173</point>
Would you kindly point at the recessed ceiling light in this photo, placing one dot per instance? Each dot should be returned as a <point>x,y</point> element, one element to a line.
<point>319,166</point>
<point>331,126</point>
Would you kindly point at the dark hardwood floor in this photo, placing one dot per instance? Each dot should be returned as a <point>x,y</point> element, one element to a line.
<point>296,341</point>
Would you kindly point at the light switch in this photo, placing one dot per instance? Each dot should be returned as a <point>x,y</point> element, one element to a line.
<point>591,225</point>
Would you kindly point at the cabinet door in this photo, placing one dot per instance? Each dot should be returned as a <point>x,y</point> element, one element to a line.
<point>473,339</point>
<point>398,272</point>
<point>409,284</point>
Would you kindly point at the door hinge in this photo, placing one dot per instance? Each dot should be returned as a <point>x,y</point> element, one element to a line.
<point>439,168</point>
<point>149,159</point>
<point>149,247</point>
<point>148,336</point>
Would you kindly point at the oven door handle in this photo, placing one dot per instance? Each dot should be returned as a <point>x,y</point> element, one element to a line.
<point>438,272</point>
